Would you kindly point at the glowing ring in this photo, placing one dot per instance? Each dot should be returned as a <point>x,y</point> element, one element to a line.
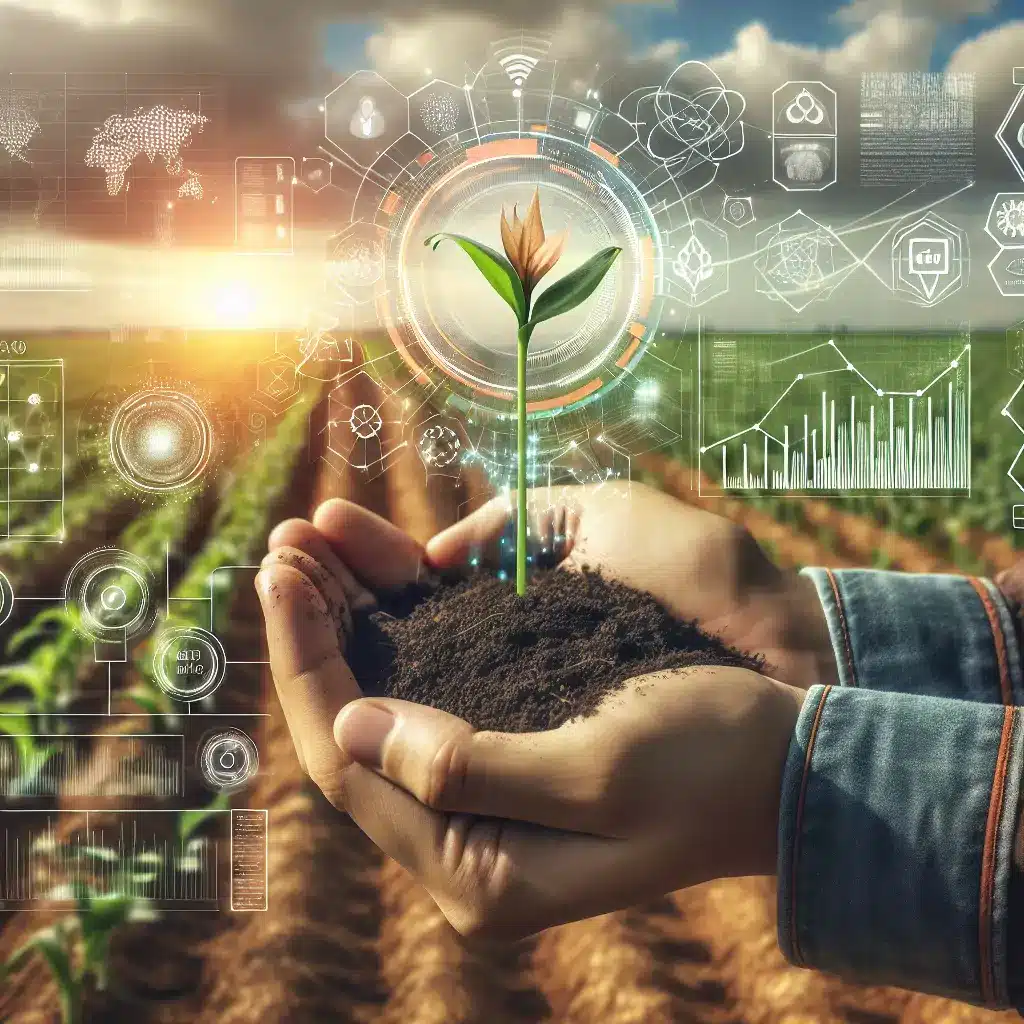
<point>199,685</point>
<point>161,440</point>
<point>228,760</point>
<point>6,599</point>
<point>571,370</point>
<point>111,592</point>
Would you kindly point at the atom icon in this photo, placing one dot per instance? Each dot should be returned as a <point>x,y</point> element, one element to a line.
<point>1010,218</point>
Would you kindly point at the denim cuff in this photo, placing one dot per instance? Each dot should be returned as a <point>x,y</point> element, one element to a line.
<point>945,636</point>
<point>896,832</point>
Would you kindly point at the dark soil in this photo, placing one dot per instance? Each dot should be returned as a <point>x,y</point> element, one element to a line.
<point>477,650</point>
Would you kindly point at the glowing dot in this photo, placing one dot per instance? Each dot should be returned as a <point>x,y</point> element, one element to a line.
<point>323,109</point>
<point>35,399</point>
<point>703,451</point>
<point>170,206</point>
<point>33,467</point>
<point>517,93</point>
<point>113,599</point>
<point>849,366</point>
<point>831,341</point>
<point>14,436</point>
<point>799,376</point>
<point>920,394</point>
<point>955,364</point>
<point>160,442</point>
<point>519,81</point>
<point>880,393</point>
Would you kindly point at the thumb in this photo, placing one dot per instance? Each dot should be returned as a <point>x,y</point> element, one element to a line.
<point>546,778</point>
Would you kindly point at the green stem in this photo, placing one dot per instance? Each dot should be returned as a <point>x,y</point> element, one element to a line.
<point>524,345</point>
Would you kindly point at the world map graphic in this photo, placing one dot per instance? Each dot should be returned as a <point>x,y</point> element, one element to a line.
<point>160,131</point>
<point>18,125</point>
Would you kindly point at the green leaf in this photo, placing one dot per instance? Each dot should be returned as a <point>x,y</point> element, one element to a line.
<point>496,268</point>
<point>190,821</point>
<point>52,944</point>
<point>575,288</point>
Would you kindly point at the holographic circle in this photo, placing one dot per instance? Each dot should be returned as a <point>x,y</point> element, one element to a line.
<point>161,440</point>
<point>472,338</point>
<point>6,599</point>
<point>189,664</point>
<point>227,760</point>
<point>111,593</point>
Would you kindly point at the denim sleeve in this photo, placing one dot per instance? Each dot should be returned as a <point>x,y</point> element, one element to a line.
<point>944,636</point>
<point>896,832</point>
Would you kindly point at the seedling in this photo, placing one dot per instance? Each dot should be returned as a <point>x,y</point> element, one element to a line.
<point>529,256</point>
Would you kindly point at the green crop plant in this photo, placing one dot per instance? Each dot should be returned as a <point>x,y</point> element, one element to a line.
<point>108,891</point>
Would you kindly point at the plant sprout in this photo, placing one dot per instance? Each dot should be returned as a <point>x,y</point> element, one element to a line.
<point>529,256</point>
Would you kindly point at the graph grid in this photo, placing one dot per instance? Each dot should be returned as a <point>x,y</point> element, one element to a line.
<point>791,414</point>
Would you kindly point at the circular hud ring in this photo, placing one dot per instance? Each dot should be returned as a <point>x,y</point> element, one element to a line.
<point>161,440</point>
<point>443,320</point>
<point>228,760</point>
<point>6,599</point>
<point>189,664</point>
<point>112,594</point>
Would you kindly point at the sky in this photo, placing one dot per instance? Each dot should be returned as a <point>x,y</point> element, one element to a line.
<point>281,59</point>
<point>708,29</point>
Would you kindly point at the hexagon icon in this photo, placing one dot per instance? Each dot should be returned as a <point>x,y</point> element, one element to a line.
<point>698,269</point>
<point>365,116</point>
<point>438,111</point>
<point>355,263</point>
<point>365,426</point>
<point>1005,223</point>
<point>738,212</point>
<point>930,260</point>
<point>1010,134</point>
<point>277,384</point>
<point>805,135</point>
<point>1007,270</point>
<point>315,173</point>
<point>799,261</point>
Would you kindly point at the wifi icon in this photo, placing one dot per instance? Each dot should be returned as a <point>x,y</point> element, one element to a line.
<point>518,67</point>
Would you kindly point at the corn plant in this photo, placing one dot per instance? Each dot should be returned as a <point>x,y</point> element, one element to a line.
<point>77,948</point>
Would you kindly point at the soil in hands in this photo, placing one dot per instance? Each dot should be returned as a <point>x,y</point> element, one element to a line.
<point>524,664</point>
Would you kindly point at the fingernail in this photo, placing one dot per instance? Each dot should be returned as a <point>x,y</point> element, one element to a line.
<point>363,731</point>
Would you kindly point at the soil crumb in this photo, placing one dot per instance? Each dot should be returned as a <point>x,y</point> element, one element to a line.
<point>475,649</point>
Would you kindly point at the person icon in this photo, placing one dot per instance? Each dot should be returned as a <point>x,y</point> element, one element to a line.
<point>367,121</point>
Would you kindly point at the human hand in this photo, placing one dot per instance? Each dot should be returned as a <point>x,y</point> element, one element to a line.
<point>698,565</point>
<point>673,782</point>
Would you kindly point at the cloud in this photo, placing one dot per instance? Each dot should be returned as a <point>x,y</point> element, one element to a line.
<point>860,12</point>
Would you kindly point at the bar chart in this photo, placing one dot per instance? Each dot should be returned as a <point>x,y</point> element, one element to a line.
<point>793,414</point>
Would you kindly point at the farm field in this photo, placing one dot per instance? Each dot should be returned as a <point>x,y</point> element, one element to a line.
<point>347,935</point>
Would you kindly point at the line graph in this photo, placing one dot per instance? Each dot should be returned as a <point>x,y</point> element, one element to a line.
<point>792,414</point>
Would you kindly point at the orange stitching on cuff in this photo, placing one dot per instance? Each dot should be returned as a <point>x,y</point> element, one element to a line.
<point>842,623</point>
<point>794,941</point>
<point>988,860</point>
<point>1005,686</point>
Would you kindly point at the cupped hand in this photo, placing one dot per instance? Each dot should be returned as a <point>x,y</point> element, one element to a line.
<point>673,782</point>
